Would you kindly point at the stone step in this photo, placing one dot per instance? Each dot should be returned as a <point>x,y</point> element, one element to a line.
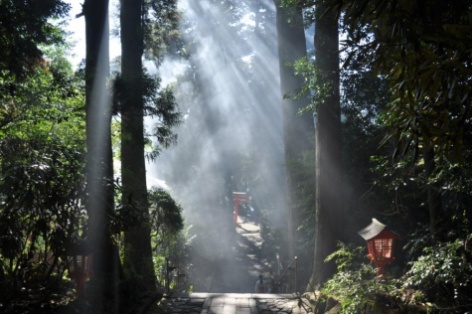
<point>236,303</point>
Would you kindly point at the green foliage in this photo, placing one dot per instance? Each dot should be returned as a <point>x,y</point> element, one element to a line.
<point>160,28</point>
<point>39,215</point>
<point>444,274</point>
<point>396,187</point>
<point>41,170</point>
<point>399,189</point>
<point>422,50</point>
<point>455,180</point>
<point>159,104</point>
<point>48,103</point>
<point>171,262</point>
<point>354,285</point>
<point>440,278</point>
<point>24,26</point>
<point>166,223</point>
<point>313,86</point>
<point>407,66</point>
<point>166,216</point>
<point>347,257</point>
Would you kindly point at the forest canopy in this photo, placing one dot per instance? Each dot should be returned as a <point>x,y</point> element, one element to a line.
<point>327,114</point>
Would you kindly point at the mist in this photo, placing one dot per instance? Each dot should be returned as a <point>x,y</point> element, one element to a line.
<point>231,138</point>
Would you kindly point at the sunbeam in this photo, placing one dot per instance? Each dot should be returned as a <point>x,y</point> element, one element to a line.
<point>232,138</point>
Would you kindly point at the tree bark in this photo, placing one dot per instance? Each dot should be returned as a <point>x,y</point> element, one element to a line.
<point>297,130</point>
<point>137,240</point>
<point>103,294</point>
<point>329,216</point>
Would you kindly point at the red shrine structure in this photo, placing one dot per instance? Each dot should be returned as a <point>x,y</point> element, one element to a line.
<point>80,267</point>
<point>380,244</point>
<point>239,198</point>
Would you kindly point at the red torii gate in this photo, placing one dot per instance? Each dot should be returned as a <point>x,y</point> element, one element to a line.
<point>239,198</point>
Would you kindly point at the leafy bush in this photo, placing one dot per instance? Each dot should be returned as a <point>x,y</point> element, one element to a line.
<point>42,135</point>
<point>39,214</point>
<point>443,273</point>
<point>355,285</point>
<point>170,249</point>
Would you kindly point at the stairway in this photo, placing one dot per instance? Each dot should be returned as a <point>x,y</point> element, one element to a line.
<point>236,303</point>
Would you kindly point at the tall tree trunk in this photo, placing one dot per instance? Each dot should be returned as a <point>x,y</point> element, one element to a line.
<point>297,130</point>
<point>99,166</point>
<point>137,240</point>
<point>329,220</point>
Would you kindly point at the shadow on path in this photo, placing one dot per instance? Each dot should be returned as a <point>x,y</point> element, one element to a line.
<point>240,268</point>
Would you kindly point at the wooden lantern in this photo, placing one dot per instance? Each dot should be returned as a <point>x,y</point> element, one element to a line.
<point>380,244</point>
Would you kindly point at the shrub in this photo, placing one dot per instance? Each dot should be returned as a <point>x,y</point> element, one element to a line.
<point>355,284</point>
<point>444,274</point>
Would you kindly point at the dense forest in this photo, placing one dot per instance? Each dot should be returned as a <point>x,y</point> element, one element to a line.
<point>117,175</point>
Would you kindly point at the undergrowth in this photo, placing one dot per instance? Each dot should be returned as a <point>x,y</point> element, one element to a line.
<point>439,280</point>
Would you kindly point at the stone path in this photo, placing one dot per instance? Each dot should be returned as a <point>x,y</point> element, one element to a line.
<point>235,303</point>
<point>237,270</point>
<point>234,283</point>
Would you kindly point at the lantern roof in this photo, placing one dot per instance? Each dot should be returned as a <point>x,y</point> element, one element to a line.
<point>241,197</point>
<point>372,230</point>
<point>239,193</point>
